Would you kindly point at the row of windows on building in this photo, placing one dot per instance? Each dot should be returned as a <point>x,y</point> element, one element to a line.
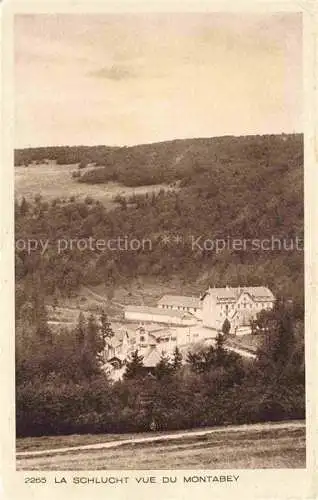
<point>159,339</point>
<point>260,305</point>
<point>179,308</point>
<point>225,313</point>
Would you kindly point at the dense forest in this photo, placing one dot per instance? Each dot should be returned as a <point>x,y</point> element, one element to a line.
<point>63,155</point>
<point>245,188</point>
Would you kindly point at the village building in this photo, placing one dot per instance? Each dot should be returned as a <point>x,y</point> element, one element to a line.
<point>184,322</point>
<point>239,305</point>
<point>117,349</point>
<point>196,333</point>
<point>167,338</point>
<point>151,358</point>
<point>184,303</point>
<point>164,339</point>
<point>158,315</point>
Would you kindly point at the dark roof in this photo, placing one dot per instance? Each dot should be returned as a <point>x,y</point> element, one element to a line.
<point>258,293</point>
<point>114,358</point>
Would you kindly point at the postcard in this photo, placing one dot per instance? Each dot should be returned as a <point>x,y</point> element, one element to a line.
<point>157,262</point>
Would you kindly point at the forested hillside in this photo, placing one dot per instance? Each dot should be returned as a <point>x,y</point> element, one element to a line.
<point>185,159</point>
<point>173,160</point>
<point>252,189</point>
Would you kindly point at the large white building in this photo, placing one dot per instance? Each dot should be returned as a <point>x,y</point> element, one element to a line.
<point>239,305</point>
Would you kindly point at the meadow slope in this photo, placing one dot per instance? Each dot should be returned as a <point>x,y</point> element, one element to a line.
<point>270,445</point>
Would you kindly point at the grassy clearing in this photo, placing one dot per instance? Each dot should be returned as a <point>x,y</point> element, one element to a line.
<point>249,342</point>
<point>252,447</point>
<point>55,181</point>
<point>91,299</point>
<point>148,292</point>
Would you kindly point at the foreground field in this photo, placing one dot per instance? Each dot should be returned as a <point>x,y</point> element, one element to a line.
<point>259,446</point>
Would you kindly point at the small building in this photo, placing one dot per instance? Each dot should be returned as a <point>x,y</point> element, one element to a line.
<point>163,339</point>
<point>200,333</point>
<point>158,315</point>
<point>151,357</point>
<point>116,349</point>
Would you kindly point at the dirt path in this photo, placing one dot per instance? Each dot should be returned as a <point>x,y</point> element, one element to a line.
<point>101,297</point>
<point>115,303</point>
<point>163,437</point>
<point>241,352</point>
<point>63,323</point>
<point>95,295</point>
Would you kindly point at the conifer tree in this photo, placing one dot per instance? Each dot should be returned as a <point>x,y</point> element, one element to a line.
<point>134,367</point>
<point>279,342</point>
<point>226,327</point>
<point>177,359</point>
<point>80,330</point>
<point>164,368</point>
<point>106,329</point>
<point>94,341</point>
<point>24,207</point>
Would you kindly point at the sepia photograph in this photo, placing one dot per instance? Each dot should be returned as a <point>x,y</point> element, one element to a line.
<point>159,243</point>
